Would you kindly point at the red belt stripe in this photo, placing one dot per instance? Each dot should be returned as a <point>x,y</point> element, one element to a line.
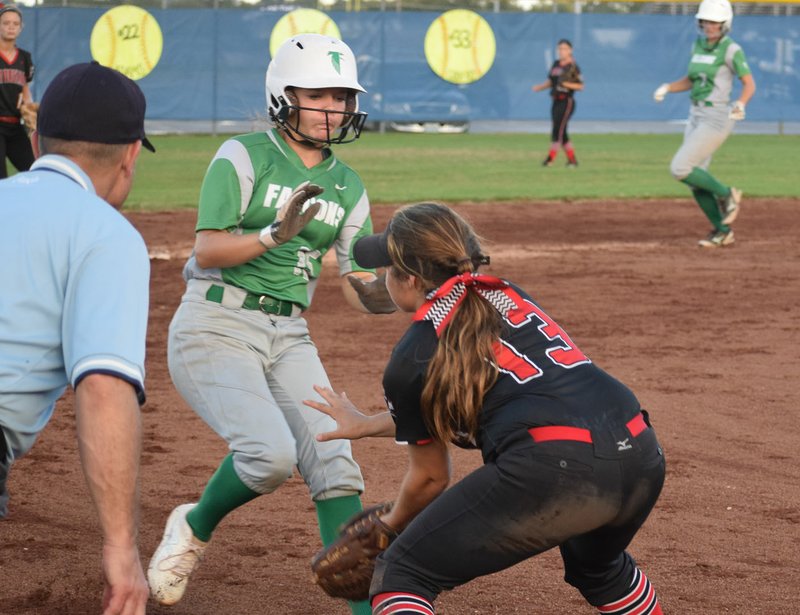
<point>577,434</point>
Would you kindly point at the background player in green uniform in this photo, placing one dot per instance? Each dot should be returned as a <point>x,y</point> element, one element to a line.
<point>239,350</point>
<point>716,60</point>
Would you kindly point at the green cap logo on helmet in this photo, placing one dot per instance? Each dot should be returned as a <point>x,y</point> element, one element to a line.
<point>335,58</point>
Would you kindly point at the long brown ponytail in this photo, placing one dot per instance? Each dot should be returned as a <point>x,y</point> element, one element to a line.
<point>433,243</point>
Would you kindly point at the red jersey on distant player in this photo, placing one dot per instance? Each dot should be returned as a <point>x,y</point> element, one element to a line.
<point>15,71</point>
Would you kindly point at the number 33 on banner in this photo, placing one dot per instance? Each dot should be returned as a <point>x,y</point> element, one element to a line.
<point>128,39</point>
<point>460,46</point>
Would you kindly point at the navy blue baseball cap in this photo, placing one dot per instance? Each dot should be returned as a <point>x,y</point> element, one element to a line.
<point>94,103</point>
<point>373,250</point>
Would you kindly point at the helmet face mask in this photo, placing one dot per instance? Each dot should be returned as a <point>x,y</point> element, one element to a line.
<point>349,128</point>
<point>314,62</point>
<point>717,11</point>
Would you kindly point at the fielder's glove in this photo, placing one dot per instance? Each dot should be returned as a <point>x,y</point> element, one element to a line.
<point>737,111</point>
<point>373,295</point>
<point>29,112</point>
<point>661,92</point>
<point>344,568</point>
<point>291,218</point>
<point>571,75</point>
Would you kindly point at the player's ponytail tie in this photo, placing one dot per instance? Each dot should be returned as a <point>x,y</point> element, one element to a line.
<point>442,303</point>
<point>465,264</point>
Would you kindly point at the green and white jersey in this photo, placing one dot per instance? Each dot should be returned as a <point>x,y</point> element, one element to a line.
<point>248,180</point>
<point>712,69</point>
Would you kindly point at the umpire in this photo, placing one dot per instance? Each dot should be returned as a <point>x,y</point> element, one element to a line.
<point>73,310</point>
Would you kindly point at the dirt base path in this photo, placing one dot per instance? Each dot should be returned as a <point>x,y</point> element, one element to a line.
<point>708,340</point>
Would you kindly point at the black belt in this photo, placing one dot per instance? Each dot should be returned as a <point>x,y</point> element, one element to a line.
<point>702,103</point>
<point>263,303</point>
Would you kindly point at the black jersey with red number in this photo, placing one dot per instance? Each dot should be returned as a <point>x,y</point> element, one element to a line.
<point>15,71</point>
<point>544,380</point>
<point>556,76</point>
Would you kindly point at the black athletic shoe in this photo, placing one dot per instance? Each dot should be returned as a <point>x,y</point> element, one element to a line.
<point>548,162</point>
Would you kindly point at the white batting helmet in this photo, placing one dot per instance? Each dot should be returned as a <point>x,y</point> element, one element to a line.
<point>313,61</point>
<point>719,11</point>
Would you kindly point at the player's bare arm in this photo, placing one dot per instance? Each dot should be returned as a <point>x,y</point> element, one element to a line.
<point>427,476</point>
<point>109,438</point>
<point>25,95</point>
<point>681,85</point>
<point>351,423</point>
<point>577,86</point>
<point>748,89</point>
<point>214,248</point>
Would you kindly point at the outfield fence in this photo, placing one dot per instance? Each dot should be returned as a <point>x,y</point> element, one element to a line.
<point>210,75</point>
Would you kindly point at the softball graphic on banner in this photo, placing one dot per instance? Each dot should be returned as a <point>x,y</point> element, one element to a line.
<point>128,39</point>
<point>301,21</point>
<point>460,46</point>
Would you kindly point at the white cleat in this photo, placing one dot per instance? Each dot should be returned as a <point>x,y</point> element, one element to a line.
<point>717,239</point>
<point>175,559</point>
<point>730,206</point>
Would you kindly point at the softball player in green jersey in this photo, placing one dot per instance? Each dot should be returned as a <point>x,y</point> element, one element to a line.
<point>716,60</point>
<point>271,205</point>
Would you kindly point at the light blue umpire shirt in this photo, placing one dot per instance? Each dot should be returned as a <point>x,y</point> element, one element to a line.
<point>74,294</point>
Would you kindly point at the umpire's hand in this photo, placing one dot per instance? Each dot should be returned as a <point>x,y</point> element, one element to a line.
<point>126,589</point>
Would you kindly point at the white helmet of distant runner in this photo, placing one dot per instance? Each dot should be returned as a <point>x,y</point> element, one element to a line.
<point>313,61</point>
<point>719,11</point>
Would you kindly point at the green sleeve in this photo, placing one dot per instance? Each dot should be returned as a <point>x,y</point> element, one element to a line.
<point>357,224</point>
<point>740,65</point>
<point>220,197</point>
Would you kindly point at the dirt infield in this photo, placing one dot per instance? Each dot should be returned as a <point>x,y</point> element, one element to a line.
<point>707,339</point>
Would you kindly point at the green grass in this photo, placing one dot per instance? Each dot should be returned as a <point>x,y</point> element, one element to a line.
<point>402,168</point>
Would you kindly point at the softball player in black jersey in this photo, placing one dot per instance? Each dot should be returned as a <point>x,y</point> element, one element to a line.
<point>16,72</point>
<point>563,80</point>
<point>570,459</point>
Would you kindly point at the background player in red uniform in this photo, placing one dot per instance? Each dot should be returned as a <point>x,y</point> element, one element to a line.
<point>563,80</point>
<point>570,459</point>
<point>16,72</point>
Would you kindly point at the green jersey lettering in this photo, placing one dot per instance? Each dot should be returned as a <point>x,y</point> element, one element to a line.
<point>247,182</point>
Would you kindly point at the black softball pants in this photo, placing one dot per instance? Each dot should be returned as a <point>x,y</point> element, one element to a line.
<point>16,146</point>
<point>561,112</point>
<point>587,499</point>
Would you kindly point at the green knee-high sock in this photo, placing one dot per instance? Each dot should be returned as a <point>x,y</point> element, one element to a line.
<point>708,203</point>
<point>331,515</point>
<point>224,492</point>
<point>702,179</point>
